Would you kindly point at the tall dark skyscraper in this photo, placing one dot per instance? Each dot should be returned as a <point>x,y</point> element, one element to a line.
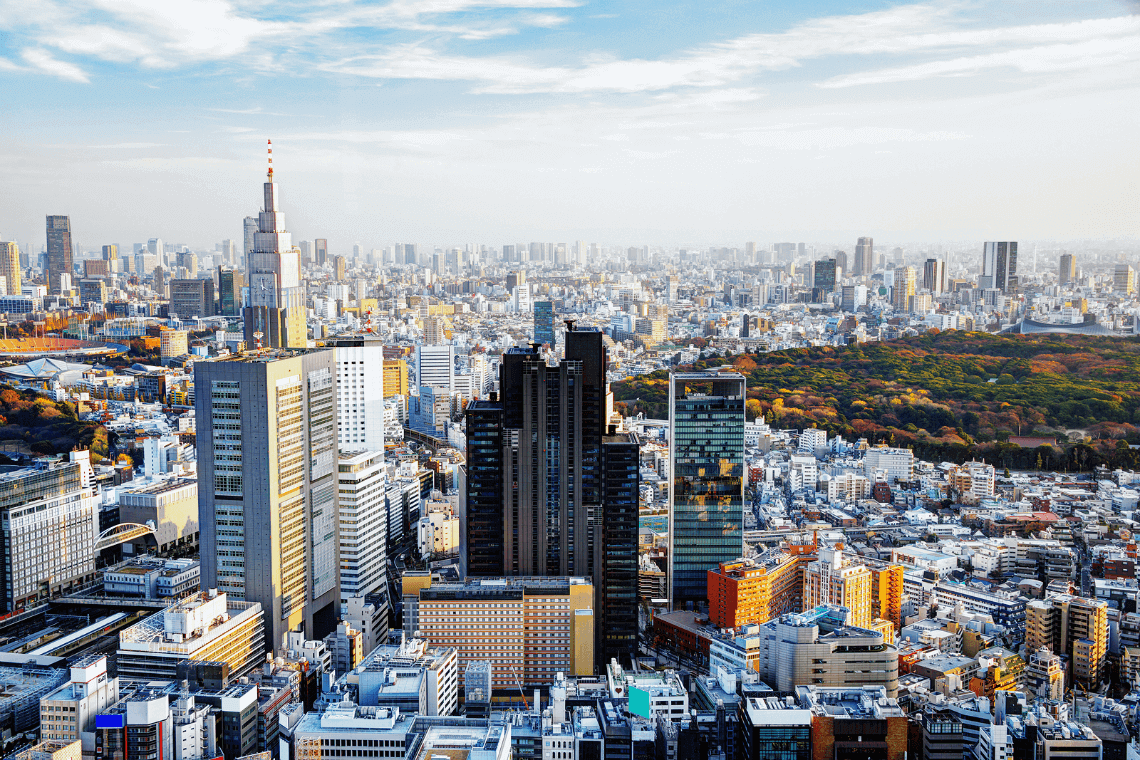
<point>824,275</point>
<point>1066,269</point>
<point>706,479</point>
<point>550,489</point>
<point>544,323</point>
<point>60,259</point>
<point>934,276</point>
<point>321,251</point>
<point>999,267</point>
<point>230,283</point>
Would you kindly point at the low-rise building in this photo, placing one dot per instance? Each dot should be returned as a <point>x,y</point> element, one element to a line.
<point>206,626</point>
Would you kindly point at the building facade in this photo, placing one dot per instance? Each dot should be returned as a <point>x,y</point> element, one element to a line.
<point>267,496</point>
<point>706,479</point>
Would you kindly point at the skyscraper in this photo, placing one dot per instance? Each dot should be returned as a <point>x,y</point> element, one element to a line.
<point>934,276</point>
<point>544,323</point>
<point>999,267</point>
<point>267,486</point>
<point>230,284</point>
<point>706,479</point>
<point>1067,269</point>
<point>321,251</point>
<point>864,257</point>
<point>10,268</point>
<point>363,512</point>
<point>825,274</point>
<point>550,489</point>
<point>1123,278</point>
<point>192,298</point>
<point>360,393</point>
<point>435,366</point>
<point>904,288</point>
<point>59,256</point>
<point>275,316</point>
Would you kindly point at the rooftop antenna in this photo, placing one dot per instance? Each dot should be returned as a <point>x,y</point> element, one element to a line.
<point>270,143</point>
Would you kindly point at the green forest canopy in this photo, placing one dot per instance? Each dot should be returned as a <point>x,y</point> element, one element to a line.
<point>934,393</point>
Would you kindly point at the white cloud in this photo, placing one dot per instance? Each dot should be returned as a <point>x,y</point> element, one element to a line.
<point>43,61</point>
<point>1032,60</point>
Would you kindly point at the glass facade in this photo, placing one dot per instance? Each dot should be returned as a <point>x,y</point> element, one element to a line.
<point>706,470</point>
<point>544,323</point>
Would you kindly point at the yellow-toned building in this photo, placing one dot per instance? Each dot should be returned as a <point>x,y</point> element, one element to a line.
<point>999,670</point>
<point>395,377</point>
<point>887,593</point>
<point>529,629</point>
<point>1072,626</point>
<point>831,579</point>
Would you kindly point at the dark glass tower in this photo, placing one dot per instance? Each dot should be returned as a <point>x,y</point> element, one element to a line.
<point>706,479</point>
<point>59,255</point>
<point>544,323</point>
<point>550,491</point>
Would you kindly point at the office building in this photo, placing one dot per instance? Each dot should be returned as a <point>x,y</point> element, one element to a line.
<point>1074,628</point>
<point>363,523</point>
<point>204,627</point>
<point>831,579</point>
<point>92,291</point>
<point>854,722</point>
<point>999,267</point>
<point>60,260</point>
<point>267,495</point>
<point>435,366</point>
<point>361,385</point>
<point>190,299</point>
<point>942,735</point>
<point>934,276</point>
<point>864,257</point>
<point>169,503</point>
<point>544,323</point>
<point>706,479</point>
<point>10,268</point>
<point>853,297</point>
<point>68,713</point>
<point>1124,279</point>
<point>904,288</point>
<point>529,629</point>
<point>755,590</point>
<point>1007,609</point>
<point>395,377</point>
<point>426,679</point>
<point>173,343</point>
<point>825,275</point>
<point>1067,269</point>
<point>550,490</point>
<point>230,285</point>
<point>893,464</point>
<point>819,647</point>
<point>51,520</point>
<point>275,316</point>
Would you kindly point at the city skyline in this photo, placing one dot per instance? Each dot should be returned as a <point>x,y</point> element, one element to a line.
<point>557,119</point>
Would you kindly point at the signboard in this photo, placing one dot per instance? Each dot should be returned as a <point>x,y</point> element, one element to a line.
<point>639,702</point>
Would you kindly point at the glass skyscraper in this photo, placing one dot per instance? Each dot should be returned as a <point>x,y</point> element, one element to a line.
<point>706,479</point>
<point>544,323</point>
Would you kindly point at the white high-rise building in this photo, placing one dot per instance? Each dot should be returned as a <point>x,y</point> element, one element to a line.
<point>360,394</point>
<point>363,523</point>
<point>435,366</point>
<point>276,297</point>
<point>68,713</point>
<point>897,464</point>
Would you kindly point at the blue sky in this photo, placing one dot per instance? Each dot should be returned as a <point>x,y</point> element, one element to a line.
<point>451,121</point>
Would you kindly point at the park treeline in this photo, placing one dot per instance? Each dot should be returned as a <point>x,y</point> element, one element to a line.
<point>45,426</point>
<point>950,396</point>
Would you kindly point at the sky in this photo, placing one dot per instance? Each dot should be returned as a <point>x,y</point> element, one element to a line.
<point>494,121</point>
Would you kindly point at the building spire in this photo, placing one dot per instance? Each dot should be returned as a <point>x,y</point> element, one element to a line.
<point>270,142</point>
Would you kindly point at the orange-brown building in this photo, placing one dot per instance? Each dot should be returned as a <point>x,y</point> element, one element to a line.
<point>749,590</point>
